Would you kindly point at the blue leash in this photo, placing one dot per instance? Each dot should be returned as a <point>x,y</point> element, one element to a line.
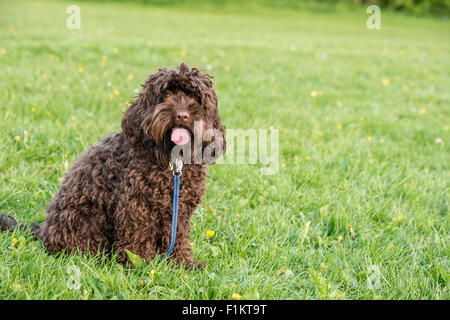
<point>176,196</point>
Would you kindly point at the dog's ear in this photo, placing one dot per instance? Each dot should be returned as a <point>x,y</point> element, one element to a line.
<point>219,136</point>
<point>210,103</point>
<point>215,130</point>
<point>136,127</point>
<point>136,121</point>
<point>132,125</point>
<point>133,121</point>
<point>219,126</point>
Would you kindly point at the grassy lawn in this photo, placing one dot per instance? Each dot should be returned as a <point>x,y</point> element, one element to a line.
<point>361,195</point>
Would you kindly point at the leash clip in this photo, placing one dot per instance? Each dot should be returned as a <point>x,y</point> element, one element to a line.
<point>178,166</point>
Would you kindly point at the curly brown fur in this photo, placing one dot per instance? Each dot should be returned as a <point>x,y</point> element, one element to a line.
<point>118,195</point>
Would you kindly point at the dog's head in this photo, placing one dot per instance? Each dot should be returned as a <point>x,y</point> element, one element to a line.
<point>175,107</point>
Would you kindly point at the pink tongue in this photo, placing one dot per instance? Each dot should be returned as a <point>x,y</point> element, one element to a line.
<point>180,136</point>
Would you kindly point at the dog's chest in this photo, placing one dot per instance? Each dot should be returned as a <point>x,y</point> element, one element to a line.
<point>192,187</point>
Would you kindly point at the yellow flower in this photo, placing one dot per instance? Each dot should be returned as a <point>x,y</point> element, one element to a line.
<point>33,109</point>
<point>13,180</point>
<point>340,238</point>
<point>44,76</point>
<point>352,232</point>
<point>17,138</point>
<point>236,42</point>
<point>3,51</point>
<point>385,82</point>
<point>130,77</point>
<point>116,50</point>
<point>236,296</point>
<point>209,233</point>
<point>80,69</point>
<point>14,241</point>
<point>323,266</point>
<point>226,68</point>
<point>369,138</point>
<point>151,274</point>
<point>423,111</point>
<point>116,92</point>
<point>313,93</point>
<point>361,118</point>
<point>185,277</point>
<point>339,126</point>
<point>127,103</point>
<point>73,118</point>
<point>427,170</point>
<point>238,215</point>
<point>307,158</point>
<point>183,53</point>
<point>149,43</point>
<point>104,58</point>
<point>16,287</point>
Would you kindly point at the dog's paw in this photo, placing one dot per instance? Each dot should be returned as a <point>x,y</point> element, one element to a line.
<point>194,264</point>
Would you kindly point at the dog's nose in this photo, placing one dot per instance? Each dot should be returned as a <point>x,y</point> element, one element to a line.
<point>182,116</point>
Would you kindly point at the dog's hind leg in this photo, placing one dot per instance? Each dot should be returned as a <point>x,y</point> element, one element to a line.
<point>72,229</point>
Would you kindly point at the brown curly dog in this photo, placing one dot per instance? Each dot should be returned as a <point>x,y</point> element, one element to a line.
<point>118,194</point>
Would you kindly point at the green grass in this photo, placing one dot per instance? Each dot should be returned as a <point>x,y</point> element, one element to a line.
<point>362,183</point>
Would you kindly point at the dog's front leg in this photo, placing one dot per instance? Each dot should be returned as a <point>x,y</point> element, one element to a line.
<point>134,230</point>
<point>182,252</point>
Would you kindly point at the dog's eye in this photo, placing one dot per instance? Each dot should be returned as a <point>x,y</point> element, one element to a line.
<point>193,106</point>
